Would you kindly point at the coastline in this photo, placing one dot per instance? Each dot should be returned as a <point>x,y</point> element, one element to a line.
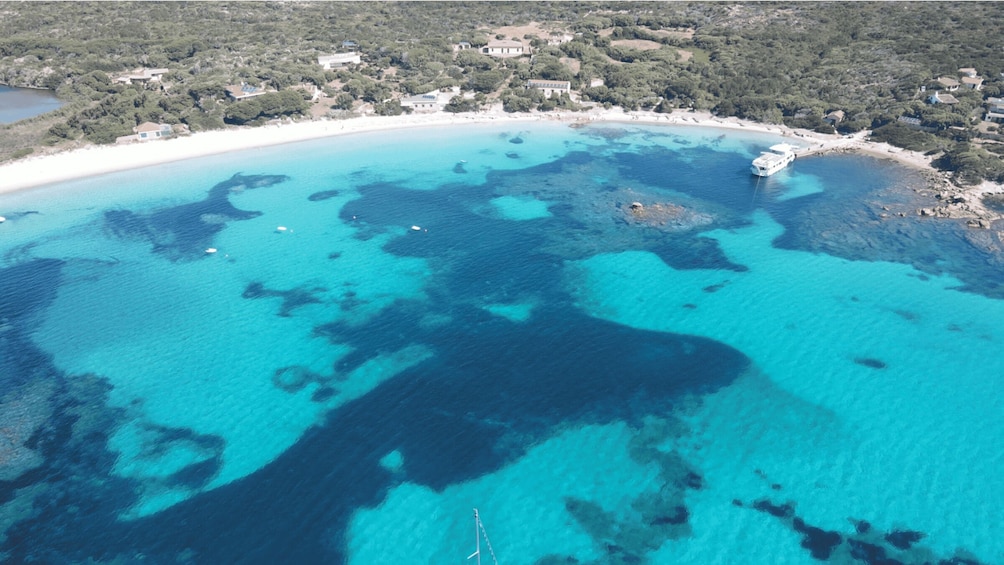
<point>95,160</point>
<point>42,170</point>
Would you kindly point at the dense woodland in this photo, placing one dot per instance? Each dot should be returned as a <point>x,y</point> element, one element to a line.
<point>786,63</point>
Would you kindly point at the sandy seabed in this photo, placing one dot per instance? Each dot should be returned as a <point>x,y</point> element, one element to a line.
<point>97,160</point>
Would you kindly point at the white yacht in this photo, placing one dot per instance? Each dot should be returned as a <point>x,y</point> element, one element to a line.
<point>770,162</point>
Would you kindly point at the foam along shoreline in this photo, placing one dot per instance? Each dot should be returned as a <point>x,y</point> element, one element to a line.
<point>97,160</point>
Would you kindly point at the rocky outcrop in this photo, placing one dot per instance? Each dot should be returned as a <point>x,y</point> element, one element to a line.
<point>665,216</point>
<point>962,203</point>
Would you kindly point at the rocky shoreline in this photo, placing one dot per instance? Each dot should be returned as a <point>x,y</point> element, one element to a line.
<point>963,203</point>
<point>948,199</point>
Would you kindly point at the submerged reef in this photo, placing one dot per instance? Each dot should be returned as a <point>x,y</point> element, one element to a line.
<point>183,232</point>
<point>658,515</point>
<point>862,545</point>
<point>291,299</point>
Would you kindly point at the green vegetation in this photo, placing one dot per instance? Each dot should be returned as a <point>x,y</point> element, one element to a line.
<point>268,105</point>
<point>770,62</point>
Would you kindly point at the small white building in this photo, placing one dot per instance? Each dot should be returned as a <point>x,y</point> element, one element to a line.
<point>339,60</point>
<point>147,131</point>
<point>244,91</point>
<point>995,110</point>
<point>504,48</point>
<point>422,102</point>
<point>433,101</point>
<point>942,98</point>
<point>549,87</point>
<point>141,75</point>
<point>150,130</point>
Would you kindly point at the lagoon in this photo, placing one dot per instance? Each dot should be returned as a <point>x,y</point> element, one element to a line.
<point>770,376</point>
<point>18,104</point>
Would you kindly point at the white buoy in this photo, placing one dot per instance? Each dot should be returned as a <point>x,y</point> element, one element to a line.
<point>416,228</point>
<point>211,250</point>
<point>280,228</point>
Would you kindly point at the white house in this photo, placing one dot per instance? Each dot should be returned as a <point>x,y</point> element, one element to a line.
<point>995,110</point>
<point>941,98</point>
<point>504,48</point>
<point>422,102</point>
<point>430,101</point>
<point>150,130</point>
<point>549,87</point>
<point>141,75</point>
<point>244,91</point>
<point>338,60</point>
<point>147,131</point>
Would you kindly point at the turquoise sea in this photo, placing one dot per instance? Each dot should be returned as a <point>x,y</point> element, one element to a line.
<point>332,351</point>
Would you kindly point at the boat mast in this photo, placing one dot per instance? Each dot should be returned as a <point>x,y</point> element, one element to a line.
<point>479,530</point>
<point>477,538</point>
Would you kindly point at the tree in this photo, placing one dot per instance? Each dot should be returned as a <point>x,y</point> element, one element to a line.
<point>182,49</point>
<point>376,92</point>
<point>293,101</point>
<point>459,104</point>
<point>243,111</point>
<point>550,68</point>
<point>61,130</point>
<point>472,60</point>
<point>389,108</point>
<point>356,87</point>
<point>486,81</point>
<point>343,101</point>
<point>970,164</point>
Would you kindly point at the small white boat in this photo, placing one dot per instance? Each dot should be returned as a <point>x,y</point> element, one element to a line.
<point>416,228</point>
<point>211,250</point>
<point>281,228</point>
<point>770,162</point>
<point>2,219</point>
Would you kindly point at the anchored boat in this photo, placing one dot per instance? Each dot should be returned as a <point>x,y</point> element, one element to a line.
<point>770,162</point>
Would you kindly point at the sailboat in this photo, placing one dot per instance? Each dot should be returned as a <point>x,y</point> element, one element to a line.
<point>479,531</point>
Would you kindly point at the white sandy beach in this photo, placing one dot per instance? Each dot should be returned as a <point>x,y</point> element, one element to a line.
<point>96,160</point>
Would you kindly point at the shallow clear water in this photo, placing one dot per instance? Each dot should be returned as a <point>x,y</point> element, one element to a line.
<point>396,328</point>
